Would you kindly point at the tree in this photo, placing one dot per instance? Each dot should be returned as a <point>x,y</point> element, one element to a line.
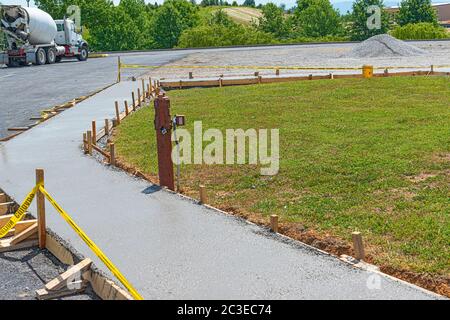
<point>171,19</point>
<point>249,3</point>
<point>219,17</point>
<point>415,11</point>
<point>273,21</point>
<point>2,39</point>
<point>316,18</point>
<point>365,12</point>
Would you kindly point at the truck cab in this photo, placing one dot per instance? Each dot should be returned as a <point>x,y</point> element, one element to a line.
<point>72,40</point>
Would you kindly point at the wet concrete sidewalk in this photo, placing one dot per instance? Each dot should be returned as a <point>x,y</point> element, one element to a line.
<point>169,247</point>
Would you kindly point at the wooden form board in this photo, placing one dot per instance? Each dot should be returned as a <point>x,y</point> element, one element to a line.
<point>180,84</point>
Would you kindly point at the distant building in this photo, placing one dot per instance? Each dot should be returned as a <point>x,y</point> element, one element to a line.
<point>442,11</point>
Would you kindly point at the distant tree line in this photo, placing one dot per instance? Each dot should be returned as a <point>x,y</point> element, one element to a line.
<point>133,24</point>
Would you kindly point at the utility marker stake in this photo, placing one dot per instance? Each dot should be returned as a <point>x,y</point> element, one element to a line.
<point>117,113</point>
<point>274,223</point>
<point>358,246</point>
<point>203,196</point>
<point>112,154</point>
<point>40,203</point>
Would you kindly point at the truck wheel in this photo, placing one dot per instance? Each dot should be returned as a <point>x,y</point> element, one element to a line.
<point>84,54</point>
<point>51,56</point>
<point>41,56</point>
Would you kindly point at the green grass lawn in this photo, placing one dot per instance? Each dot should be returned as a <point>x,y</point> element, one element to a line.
<point>356,154</point>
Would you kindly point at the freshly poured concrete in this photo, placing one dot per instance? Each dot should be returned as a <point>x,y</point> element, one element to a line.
<point>169,247</point>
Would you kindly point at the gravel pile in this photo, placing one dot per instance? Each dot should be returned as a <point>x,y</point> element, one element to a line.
<point>384,45</point>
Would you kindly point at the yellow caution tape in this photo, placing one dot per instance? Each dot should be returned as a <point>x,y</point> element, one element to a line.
<point>19,214</point>
<point>138,66</point>
<point>92,245</point>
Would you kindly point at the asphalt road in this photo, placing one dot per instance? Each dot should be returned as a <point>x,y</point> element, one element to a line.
<point>169,247</point>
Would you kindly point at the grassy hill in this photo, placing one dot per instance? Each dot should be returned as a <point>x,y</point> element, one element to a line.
<point>242,15</point>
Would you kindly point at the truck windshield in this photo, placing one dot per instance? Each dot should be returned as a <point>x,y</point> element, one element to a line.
<point>60,27</point>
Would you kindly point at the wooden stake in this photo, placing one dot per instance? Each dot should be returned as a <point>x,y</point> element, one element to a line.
<point>40,204</point>
<point>149,91</point>
<point>203,196</point>
<point>126,108</point>
<point>112,154</point>
<point>256,74</point>
<point>139,97</point>
<point>277,72</point>
<point>358,246</point>
<point>89,141</point>
<point>106,127</point>
<point>114,123</point>
<point>143,88</point>
<point>133,98</point>
<point>117,113</point>
<point>274,223</point>
<point>94,133</point>
<point>151,86</point>
<point>191,76</point>
<point>84,143</point>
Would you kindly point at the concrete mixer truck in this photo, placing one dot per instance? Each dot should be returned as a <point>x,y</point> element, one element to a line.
<point>33,37</point>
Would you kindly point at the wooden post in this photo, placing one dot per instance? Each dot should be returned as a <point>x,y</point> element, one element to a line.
<point>84,143</point>
<point>220,82</point>
<point>106,127</point>
<point>259,79</point>
<point>149,91</point>
<point>191,76</point>
<point>358,246</point>
<point>432,68</point>
<point>114,123</point>
<point>40,203</point>
<point>112,154</point>
<point>163,127</point>
<point>277,72</point>
<point>386,72</point>
<point>94,133</point>
<point>274,223</point>
<point>117,113</point>
<point>151,86</point>
<point>89,141</point>
<point>133,98</point>
<point>257,74</point>
<point>139,97</point>
<point>203,196</point>
<point>143,88</point>
<point>119,76</point>
<point>126,108</point>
